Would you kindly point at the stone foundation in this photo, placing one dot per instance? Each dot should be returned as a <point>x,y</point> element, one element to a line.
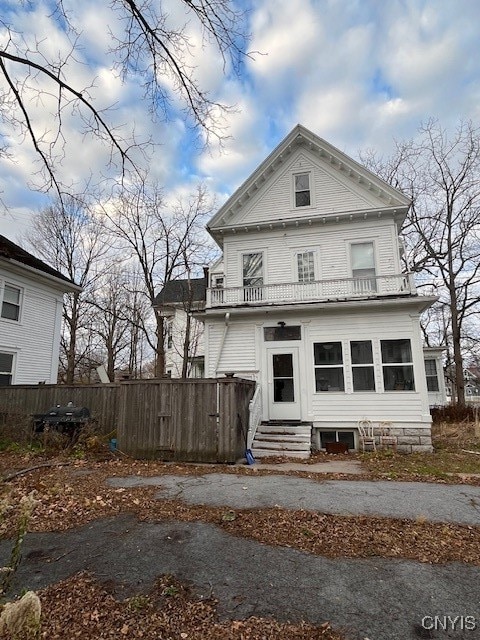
<point>410,439</point>
<point>413,440</point>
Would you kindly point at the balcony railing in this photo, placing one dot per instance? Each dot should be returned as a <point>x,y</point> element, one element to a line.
<point>318,291</point>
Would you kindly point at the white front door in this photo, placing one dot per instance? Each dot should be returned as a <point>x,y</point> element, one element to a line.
<point>283,384</point>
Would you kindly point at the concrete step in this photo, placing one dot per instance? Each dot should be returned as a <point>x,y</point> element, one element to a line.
<point>281,445</point>
<point>268,453</point>
<point>284,437</point>
<point>284,429</point>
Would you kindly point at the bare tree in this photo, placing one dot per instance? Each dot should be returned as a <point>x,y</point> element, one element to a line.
<point>66,235</point>
<point>150,43</point>
<point>161,241</point>
<point>442,175</point>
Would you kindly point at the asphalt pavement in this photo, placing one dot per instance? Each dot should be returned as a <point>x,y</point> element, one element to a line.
<point>366,598</point>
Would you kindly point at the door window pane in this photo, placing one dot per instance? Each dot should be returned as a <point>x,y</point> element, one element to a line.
<point>253,276</point>
<point>283,384</point>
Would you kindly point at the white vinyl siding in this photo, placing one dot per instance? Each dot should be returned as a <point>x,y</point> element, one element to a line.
<point>35,337</point>
<point>331,242</point>
<point>330,192</point>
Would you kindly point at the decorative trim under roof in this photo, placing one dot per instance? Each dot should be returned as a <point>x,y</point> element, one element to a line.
<point>392,197</point>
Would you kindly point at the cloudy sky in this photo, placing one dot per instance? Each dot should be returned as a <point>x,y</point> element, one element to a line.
<point>358,73</point>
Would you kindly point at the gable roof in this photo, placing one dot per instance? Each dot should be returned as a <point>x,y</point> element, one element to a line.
<point>345,167</point>
<point>16,256</point>
<point>177,291</point>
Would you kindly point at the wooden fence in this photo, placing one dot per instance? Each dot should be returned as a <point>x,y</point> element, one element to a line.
<point>201,420</point>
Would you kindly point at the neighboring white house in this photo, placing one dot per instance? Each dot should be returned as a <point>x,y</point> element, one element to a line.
<point>437,393</point>
<point>176,302</point>
<point>31,296</point>
<point>310,299</point>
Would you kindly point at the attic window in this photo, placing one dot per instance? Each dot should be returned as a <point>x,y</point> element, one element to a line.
<point>302,190</point>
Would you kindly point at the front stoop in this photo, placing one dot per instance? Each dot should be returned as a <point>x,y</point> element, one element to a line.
<point>289,439</point>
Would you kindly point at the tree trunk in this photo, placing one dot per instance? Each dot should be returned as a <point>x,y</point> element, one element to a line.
<point>160,351</point>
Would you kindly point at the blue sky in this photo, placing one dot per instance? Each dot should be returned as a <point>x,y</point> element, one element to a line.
<point>359,73</point>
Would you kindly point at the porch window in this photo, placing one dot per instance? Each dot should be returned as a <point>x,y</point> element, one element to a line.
<point>306,267</point>
<point>397,365</point>
<point>6,369</point>
<point>11,302</point>
<point>253,276</point>
<point>363,371</point>
<point>363,267</point>
<point>302,190</point>
<point>328,359</point>
<point>431,373</point>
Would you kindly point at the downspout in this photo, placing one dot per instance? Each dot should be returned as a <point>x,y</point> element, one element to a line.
<point>222,342</point>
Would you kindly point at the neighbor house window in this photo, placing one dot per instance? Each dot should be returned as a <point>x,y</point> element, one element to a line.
<point>11,302</point>
<point>306,266</point>
<point>397,365</point>
<point>328,361</point>
<point>253,276</point>
<point>302,190</point>
<point>431,373</point>
<point>363,267</point>
<point>6,369</point>
<point>169,334</point>
<point>363,371</point>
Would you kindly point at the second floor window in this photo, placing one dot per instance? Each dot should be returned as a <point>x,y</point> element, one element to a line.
<point>306,266</point>
<point>363,267</point>
<point>302,190</point>
<point>253,276</point>
<point>11,302</point>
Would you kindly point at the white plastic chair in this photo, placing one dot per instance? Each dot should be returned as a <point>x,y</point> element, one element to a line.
<point>366,434</point>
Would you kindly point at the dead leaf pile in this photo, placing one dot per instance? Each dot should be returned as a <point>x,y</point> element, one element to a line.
<point>89,611</point>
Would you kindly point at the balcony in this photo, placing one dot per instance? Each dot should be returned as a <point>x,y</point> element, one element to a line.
<point>318,291</point>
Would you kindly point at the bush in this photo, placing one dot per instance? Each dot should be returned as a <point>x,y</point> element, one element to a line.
<point>453,413</point>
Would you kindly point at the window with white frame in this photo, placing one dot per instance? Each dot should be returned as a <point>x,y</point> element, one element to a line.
<point>363,370</point>
<point>306,266</point>
<point>397,364</point>
<point>11,302</point>
<point>253,276</point>
<point>363,266</point>
<point>302,190</point>
<point>6,369</point>
<point>432,375</point>
<point>328,361</point>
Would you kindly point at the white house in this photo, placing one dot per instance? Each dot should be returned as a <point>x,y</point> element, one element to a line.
<point>31,295</point>
<point>176,302</point>
<point>437,393</point>
<point>311,301</point>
